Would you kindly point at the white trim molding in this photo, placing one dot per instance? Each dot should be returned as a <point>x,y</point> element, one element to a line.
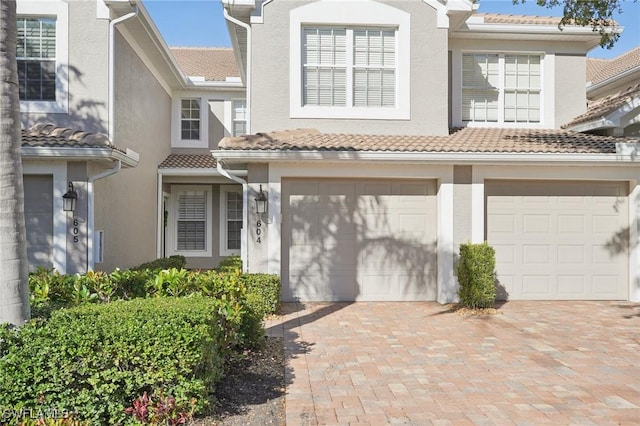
<point>354,13</point>
<point>224,191</point>
<point>60,11</point>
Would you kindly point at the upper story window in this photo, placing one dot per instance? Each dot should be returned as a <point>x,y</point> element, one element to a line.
<point>42,54</point>
<point>501,88</point>
<point>239,117</point>
<point>190,119</point>
<point>36,57</point>
<point>349,67</point>
<point>350,62</point>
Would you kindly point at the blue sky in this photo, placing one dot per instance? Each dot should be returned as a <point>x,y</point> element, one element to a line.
<point>200,22</point>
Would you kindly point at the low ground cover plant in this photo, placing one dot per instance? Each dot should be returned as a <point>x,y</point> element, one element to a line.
<point>476,275</point>
<point>140,346</point>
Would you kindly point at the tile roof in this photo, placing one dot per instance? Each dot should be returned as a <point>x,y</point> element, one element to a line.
<point>50,135</point>
<point>594,66</point>
<point>212,63</point>
<point>487,140</point>
<point>605,106</point>
<point>498,18</point>
<point>188,161</point>
<point>618,65</point>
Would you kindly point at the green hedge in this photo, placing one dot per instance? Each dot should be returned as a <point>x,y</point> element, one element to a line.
<point>476,275</point>
<point>97,359</point>
<point>175,261</point>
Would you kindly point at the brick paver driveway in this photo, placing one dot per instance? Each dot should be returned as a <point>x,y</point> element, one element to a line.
<point>420,364</point>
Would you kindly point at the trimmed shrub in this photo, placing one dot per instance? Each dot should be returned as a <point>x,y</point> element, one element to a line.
<point>97,359</point>
<point>476,275</point>
<point>230,264</point>
<point>175,261</point>
<point>266,290</point>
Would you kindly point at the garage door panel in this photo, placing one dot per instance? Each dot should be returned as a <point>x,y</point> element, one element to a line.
<point>373,239</point>
<point>580,223</point>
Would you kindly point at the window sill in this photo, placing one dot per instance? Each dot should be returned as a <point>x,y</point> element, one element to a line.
<point>402,113</point>
<point>50,107</point>
<point>181,143</point>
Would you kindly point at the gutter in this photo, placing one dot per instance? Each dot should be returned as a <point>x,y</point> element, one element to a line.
<point>244,244</point>
<point>129,158</point>
<point>91,210</point>
<point>247,27</point>
<point>620,158</point>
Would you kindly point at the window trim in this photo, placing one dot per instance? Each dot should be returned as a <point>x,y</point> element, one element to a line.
<point>332,14</point>
<point>224,190</point>
<point>173,221</point>
<point>58,10</point>
<point>176,121</point>
<point>546,90</point>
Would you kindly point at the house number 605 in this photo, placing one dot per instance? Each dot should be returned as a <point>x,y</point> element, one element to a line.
<point>259,231</point>
<point>76,230</point>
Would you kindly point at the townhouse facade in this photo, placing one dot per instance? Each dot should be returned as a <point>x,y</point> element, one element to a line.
<point>347,146</point>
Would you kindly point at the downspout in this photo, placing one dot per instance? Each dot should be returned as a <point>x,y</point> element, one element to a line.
<point>112,56</point>
<point>248,70</point>
<point>244,245</point>
<point>111,135</point>
<point>91,211</point>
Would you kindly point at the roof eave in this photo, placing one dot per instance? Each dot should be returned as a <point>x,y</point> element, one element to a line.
<point>257,156</point>
<point>129,158</point>
<point>593,89</point>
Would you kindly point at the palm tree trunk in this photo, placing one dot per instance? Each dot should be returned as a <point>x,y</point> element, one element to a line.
<point>14,286</point>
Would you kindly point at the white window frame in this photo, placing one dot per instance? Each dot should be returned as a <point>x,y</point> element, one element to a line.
<point>234,119</point>
<point>173,221</point>
<point>58,10</point>
<point>351,15</point>
<point>545,87</point>
<point>224,190</point>
<point>176,121</point>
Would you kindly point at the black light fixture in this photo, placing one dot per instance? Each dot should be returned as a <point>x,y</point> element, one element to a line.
<point>261,202</point>
<point>69,199</point>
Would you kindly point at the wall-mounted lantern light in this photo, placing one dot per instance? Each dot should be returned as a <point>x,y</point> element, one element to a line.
<point>261,202</point>
<point>69,199</point>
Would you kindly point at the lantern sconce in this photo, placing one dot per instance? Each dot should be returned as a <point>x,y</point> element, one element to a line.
<point>261,202</point>
<point>69,199</point>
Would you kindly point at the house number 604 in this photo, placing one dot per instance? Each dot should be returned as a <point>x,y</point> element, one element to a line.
<point>259,231</point>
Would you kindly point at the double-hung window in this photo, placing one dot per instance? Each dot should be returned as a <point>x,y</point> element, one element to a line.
<point>192,220</point>
<point>239,117</point>
<point>501,88</point>
<point>36,58</point>
<point>349,67</point>
<point>231,223</point>
<point>190,119</point>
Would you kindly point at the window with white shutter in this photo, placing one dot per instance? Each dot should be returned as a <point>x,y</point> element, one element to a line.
<point>501,88</point>
<point>191,221</point>
<point>349,67</point>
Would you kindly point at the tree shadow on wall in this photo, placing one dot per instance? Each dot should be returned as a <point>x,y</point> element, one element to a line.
<point>348,247</point>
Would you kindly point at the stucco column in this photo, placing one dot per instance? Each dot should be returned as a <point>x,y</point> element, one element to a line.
<point>477,208</point>
<point>275,221</point>
<point>447,287</point>
<point>634,239</point>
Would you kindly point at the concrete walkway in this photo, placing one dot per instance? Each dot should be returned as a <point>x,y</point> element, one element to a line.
<point>418,363</point>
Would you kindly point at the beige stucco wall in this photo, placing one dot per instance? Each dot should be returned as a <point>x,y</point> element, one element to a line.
<point>462,205</point>
<point>570,95</point>
<point>87,73</point>
<point>428,90</point>
<point>126,203</point>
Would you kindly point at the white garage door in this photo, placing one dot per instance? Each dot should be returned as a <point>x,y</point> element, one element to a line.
<point>559,240</point>
<point>347,240</point>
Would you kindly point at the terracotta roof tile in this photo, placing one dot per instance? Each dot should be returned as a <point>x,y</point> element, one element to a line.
<point>594,66</point>
<point>498,18</point>
<point>188,161</point>
<point>466,140</point>
<point>212,63</point>
<point>50,135</point>
<point>618,65</point>
<point>605,106</point>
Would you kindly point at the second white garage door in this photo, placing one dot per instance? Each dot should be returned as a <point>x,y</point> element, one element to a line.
<point>559,240</point>
<point>346,240</point>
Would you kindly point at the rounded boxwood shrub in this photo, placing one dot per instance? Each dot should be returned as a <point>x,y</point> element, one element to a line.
<point>476,275</point>
<point>96,359</point>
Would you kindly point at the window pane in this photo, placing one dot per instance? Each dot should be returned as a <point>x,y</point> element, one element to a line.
<point>36,54</point>
<point>234,232</point>
<point>191,235</point>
